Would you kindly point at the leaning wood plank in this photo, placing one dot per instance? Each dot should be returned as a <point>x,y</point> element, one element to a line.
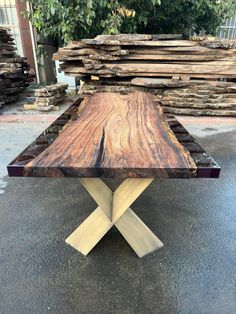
<point>90,232</point>
<point>137,234</point>
<point>115,136</point>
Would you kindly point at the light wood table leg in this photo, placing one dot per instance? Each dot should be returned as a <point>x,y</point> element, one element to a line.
<point>90,232</point>
<point>137,234</point>
<point>114,210</point>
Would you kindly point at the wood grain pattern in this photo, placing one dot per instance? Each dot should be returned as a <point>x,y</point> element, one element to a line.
<point>206,166</point>
<point>115,136</point>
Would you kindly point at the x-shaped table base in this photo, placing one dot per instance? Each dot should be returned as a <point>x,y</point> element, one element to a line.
<point>114,209</point>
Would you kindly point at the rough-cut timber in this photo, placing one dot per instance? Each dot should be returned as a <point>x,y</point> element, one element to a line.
<point>48,97</point>
<point>145,55</point>
<point>193,97</point>
<point>111,135</point>
<point>199,112</point>
<point>157,63</point>
<point>14,75</point>
<point>219,43</point>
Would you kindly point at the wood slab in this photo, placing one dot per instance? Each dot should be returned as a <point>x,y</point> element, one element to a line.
<point>146,43</point>
<point>114,135</point>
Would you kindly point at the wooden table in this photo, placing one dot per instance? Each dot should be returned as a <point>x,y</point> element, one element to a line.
<point>109,135</point>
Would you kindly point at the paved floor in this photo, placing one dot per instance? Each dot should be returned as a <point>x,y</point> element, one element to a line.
<point>196,219</point>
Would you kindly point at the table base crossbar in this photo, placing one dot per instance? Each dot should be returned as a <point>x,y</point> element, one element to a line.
<point>114,209</point>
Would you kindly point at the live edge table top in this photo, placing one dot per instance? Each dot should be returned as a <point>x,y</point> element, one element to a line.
<point>113,135</point>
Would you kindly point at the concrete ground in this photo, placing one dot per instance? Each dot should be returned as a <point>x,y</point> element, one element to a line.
<point>193,273</point>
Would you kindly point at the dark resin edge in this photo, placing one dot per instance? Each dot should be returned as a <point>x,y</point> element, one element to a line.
<point>16,168</point>
<point>207,167</point>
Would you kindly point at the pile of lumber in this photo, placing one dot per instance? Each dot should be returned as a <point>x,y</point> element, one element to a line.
<point>213,98</point>
<point>48,97</point>
<point>14,76</point>
<point>2,89</point>
<point>186,75</point>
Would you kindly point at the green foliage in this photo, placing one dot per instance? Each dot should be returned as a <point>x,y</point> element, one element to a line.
<point>180,16</point>
<point>66,20</point>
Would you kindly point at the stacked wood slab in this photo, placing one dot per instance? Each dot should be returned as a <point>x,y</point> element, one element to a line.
<point>2,89</point>
<point>13,69</point>
<point>188,76</point>
<point>48,97</point>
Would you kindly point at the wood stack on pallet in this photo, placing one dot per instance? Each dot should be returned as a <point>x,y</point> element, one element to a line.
<point>48,97</point>
<point>186,75</point>
<point>13,69</point>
